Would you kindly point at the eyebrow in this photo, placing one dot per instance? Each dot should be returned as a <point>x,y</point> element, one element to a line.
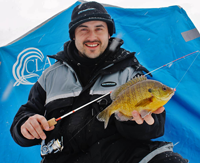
<point>100,25</point>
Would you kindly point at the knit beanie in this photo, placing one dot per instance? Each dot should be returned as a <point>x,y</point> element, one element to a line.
<point>90,11</point>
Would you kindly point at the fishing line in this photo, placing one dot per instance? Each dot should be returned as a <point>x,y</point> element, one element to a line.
<point>82,128</point>
<point>187,70</point>
<point>170,63</point>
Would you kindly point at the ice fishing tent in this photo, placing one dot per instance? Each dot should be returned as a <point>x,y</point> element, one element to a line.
<point>157,35</point>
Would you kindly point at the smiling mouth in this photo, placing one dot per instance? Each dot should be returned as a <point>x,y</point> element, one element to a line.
<point>92,45</point>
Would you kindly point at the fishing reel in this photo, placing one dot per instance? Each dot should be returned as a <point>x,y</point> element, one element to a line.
<point>53,146</point>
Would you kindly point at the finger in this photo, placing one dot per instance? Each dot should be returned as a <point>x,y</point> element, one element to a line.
<point>37,129</point>
<point>137,118</point>
<point>26,134</point>
<point>51,128</point>
<point>159,110</point>
<point>43,122</point>
<point>30,129</point>
<point>149,119</point>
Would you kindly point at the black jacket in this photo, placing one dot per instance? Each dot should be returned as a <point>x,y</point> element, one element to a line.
<point>84,137</point>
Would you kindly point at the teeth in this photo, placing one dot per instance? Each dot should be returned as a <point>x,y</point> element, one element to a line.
<point>92,45</point>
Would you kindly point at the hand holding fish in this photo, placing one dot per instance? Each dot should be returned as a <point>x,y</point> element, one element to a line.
<point>148,118</point>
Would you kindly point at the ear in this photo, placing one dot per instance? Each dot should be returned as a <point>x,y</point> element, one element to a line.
<point>73,36</point>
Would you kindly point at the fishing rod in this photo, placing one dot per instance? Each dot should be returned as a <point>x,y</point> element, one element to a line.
<point>54,121</point>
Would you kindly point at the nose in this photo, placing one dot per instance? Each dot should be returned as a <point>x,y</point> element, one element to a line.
<point>91,35</point>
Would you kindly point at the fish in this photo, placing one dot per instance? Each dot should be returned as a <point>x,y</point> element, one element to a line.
<point>141,94</point>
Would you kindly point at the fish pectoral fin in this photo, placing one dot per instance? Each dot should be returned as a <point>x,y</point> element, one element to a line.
<point>121,117</point>
<point>144,102</point>
<point>144,113</point>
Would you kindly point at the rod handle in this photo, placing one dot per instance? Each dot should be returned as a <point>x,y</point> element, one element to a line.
<point>52,122</point>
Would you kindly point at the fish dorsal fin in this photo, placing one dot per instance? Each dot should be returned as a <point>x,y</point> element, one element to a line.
<point>123,87</point>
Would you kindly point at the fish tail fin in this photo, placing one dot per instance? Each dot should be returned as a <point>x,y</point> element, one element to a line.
<point>104,116</point>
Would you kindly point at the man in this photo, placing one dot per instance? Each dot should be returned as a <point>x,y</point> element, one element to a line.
<point>84,71</point>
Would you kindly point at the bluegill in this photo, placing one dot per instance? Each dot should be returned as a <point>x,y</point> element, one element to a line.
<point>141,94</point>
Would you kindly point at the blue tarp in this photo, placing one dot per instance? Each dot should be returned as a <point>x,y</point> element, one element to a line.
<point>157,35</point>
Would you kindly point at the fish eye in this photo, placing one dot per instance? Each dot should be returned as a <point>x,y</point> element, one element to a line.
<point>164,88</point>
<point>150,90</point>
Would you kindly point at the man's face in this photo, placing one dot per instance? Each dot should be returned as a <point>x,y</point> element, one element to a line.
<point>91,38</point>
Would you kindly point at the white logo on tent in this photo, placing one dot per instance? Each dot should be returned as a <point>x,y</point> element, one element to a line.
<point>26,68</point>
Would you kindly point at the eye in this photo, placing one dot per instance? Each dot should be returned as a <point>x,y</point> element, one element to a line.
<point>98,29</point>
<point>83,29</point>
<point>150,90</point>
<point>164,88</point>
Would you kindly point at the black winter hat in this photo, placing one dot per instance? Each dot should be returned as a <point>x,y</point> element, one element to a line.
<point>89,11</point>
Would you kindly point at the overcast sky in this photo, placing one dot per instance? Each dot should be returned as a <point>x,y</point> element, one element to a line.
<point>19,16</point>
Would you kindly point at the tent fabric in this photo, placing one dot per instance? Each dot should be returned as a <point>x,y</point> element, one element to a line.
<point>157,35</point>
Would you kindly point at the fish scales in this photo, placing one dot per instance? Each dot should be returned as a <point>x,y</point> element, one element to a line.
<point>123,87</point>
<point>133,95</point>
<point>138,94</point>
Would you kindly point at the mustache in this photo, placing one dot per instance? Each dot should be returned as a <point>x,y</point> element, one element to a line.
<point>95,41</point>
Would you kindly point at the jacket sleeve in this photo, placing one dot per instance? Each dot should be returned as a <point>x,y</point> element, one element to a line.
<point>131,130</point>
<point>35,105</point>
